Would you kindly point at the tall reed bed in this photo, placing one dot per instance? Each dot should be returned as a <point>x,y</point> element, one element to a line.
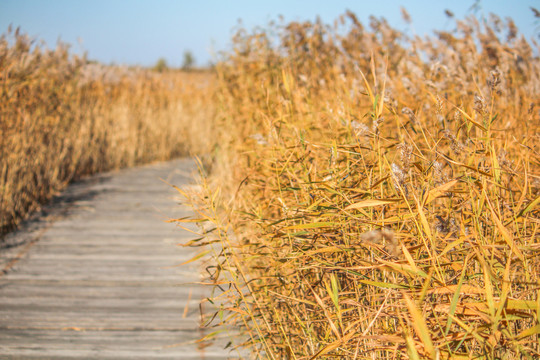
<point>379,192</point>
<point>62,117</point>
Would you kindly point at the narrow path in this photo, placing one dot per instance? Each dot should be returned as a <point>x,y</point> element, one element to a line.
<point>93,280</point>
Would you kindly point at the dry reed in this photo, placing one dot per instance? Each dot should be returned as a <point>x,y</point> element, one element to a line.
<point>62,117</point>
<point>378,193</point>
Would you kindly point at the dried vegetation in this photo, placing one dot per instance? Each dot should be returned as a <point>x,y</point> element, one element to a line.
<point>379,192</point>
<point>62,117</point>
<point>373,195</point>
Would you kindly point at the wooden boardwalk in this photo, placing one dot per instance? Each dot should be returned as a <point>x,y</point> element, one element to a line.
<point>92,279</point>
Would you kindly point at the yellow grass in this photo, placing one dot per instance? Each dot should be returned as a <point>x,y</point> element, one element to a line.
<point>376,195</point>
<point>63,118</point>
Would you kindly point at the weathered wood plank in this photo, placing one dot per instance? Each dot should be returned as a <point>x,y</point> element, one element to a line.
<point>89,291</point>
<point>101,299</point>
<point>91,344</point>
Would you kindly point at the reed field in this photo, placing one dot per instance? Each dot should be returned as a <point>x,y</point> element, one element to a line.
<point>364,194</point>
<point>374,195</point>
<point>62,117</point>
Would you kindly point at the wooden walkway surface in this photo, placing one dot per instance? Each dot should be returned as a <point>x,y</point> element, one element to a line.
<point>92,279</point>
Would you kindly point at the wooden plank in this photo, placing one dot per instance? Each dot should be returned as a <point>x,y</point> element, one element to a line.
<point>121,339</point>
<point>115,247</point>
<point>110,318</point>
<point>18,290</point>
<point>179,277</point>
<point>100,299</point>
<point>91,344</point>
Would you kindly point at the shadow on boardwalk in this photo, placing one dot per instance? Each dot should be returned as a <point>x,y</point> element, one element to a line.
<point>59,206</point>
<point>92,275</point>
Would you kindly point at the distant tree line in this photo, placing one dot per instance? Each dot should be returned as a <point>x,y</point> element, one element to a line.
<point>188,63</point>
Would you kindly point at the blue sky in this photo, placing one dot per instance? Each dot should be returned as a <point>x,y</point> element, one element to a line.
<point>139,31</point>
